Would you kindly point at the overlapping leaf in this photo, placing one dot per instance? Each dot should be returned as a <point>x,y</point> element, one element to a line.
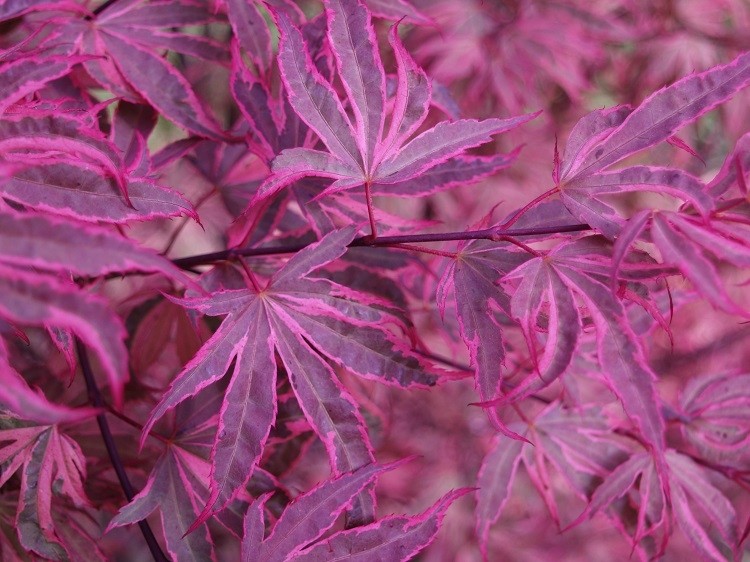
<point>605,137</point>
<point>40,300</point>
<point>692,245</point>
<point>578,444</point>
<point>56,244</point>
<point>51,464</point>
<point>715,418</point>
<point>474,279</point>
<point>362,152</point>
<point>299,317</point>
<point>124,45</point>
<point>576,268</point>
<point>178,487</point>
<point>68,167</point>
<point>297,532</point>
<point>28,404</point>
<point>703,513</point>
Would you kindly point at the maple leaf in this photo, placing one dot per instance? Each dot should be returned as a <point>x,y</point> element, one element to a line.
<point>61,245</point>
<point>474,280</point>
<point>68,167</point>
<point>122,47</point>
<point>362,153</point>
<point>300,317</point>
<point>20,400</point>
<point>714,418</point>
<point>605,137</point>
<point>578,443</point>
<point>704,514</point>
<point>51,464</point>
<point>296,534</point>
<point>43,300</point>
<point>507,57</point>
<point>573,268</point>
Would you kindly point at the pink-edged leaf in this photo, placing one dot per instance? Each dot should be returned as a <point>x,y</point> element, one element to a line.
<point>217,354</point>
<point>691,260</point>
<point>540,284</point>
<point>393,538</point>
<point>474,278</point>
<point>161,85</point>
<point>587,132</point>
<point>27,404</point>
<point>45,301</point>
<point>442,142</point>
<point>398,10</point>
<point>254,101</point>
<point>715,417</point>
<point>413,96</point>
<point>158,13</point>
<point>304,262</point>
<point>252,316</point>
<point>580,444</point>
<point>630,233</point>
<point>253,528</point>
<point>329,408</point>
<point>251,31</point>
<point>616,484</point>
<point>458,171</point>
<point>27,75</point>
<point>621,357</point>
<point>313,98</point>
<point>32,139</point>
<point>675,183</point>
<point>694,531</point>
<point>355,47</point>
<point>51,464</point>
<point>192,45</point>
<point>64,245</point>
<point>172,488</point>
<point>593,212</point>
<point>495,480</point>
<point>663,113</point>
<point>79,192</point>
<point>315,511</point>
<point>366,349</point>
<point>687,475</point>
<point>296,163</point>
<point>245,419</point>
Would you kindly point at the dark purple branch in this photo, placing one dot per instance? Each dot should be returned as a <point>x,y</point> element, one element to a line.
<point>95,398</point>
<point>103,7</point>
<point>367,241</point>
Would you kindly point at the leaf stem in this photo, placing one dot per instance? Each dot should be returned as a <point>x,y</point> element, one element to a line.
<point>510,222</point>
<point>484,234</point>
<point>95,397</point>
<point>370,210</point>
<point>135,424</point>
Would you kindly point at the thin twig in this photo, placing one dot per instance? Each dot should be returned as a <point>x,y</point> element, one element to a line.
<point>95,398</point>
<point>367,241</point>
<point>103,7</point>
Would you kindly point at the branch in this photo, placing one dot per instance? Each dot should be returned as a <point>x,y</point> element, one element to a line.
<point>97,401</point>
<point>494,233</point>
<point>103,7</point>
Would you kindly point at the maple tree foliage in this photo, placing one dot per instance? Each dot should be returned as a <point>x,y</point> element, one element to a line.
<point>374,279</point>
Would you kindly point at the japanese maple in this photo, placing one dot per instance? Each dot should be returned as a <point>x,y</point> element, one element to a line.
<point>266,280</point>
